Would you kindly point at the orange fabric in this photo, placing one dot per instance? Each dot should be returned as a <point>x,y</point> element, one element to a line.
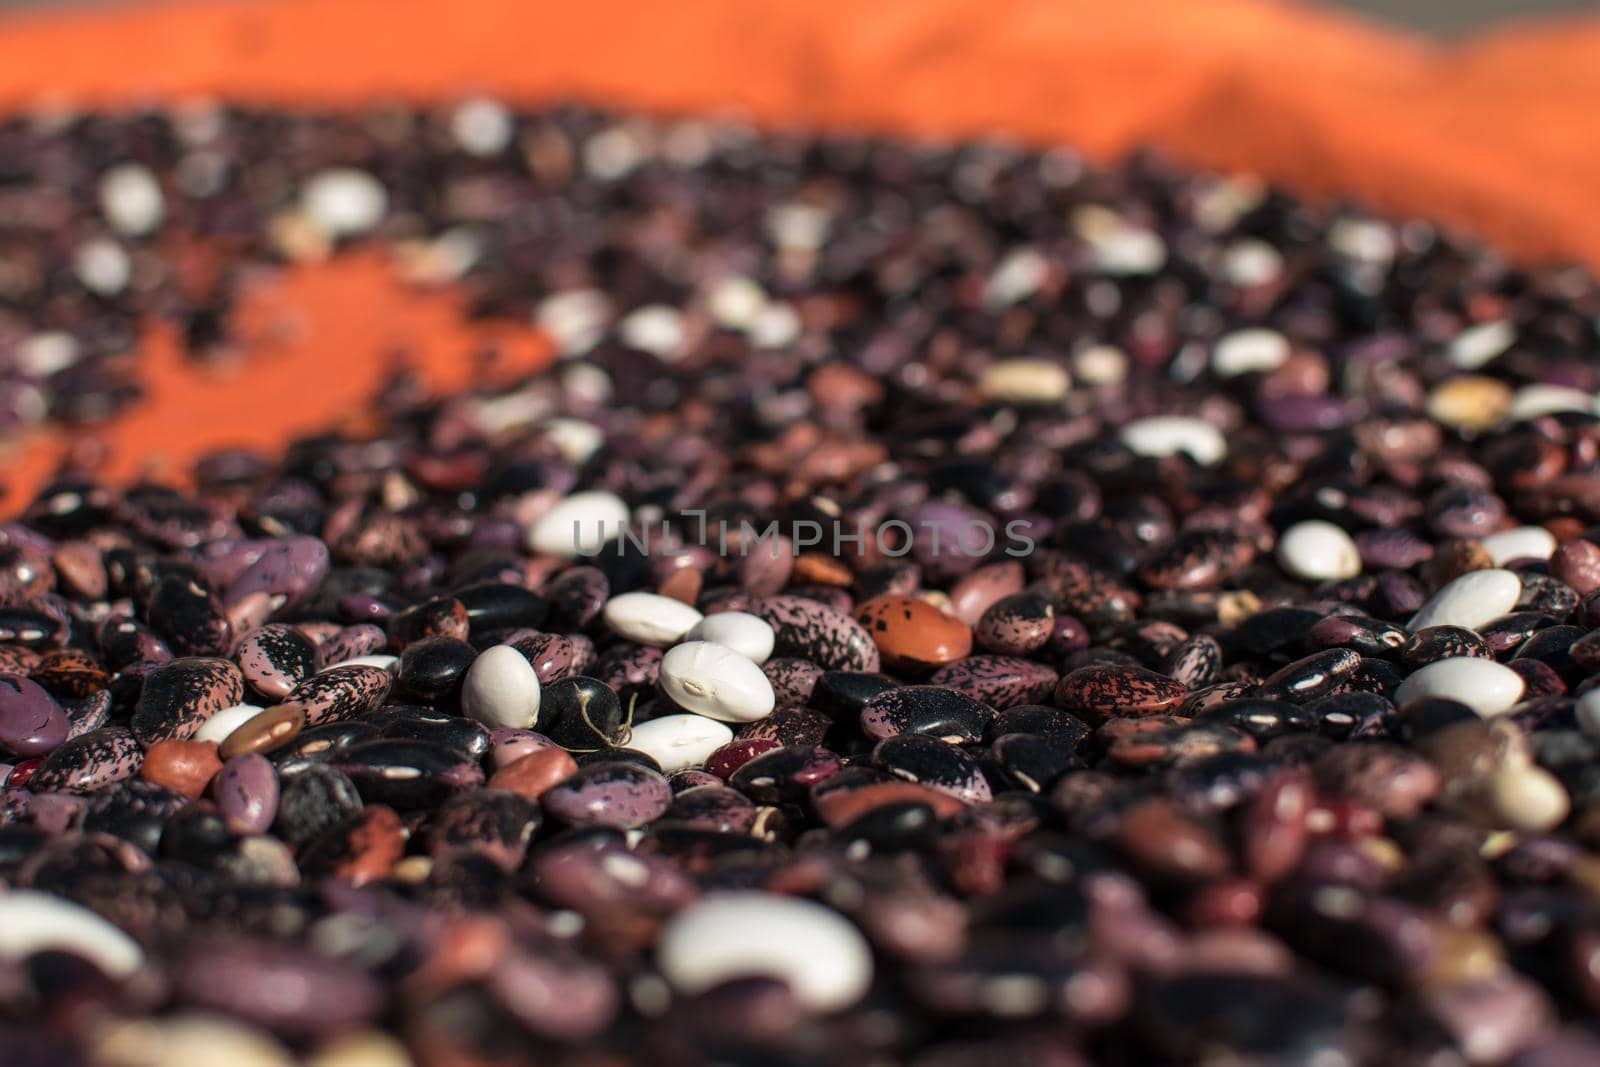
<point>1500,134</point>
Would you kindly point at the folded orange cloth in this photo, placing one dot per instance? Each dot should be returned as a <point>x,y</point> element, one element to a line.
<point>1500,134</point>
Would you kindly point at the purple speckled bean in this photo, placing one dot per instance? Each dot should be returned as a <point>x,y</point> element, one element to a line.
<point>276,658</point>
<point>362,639</point>
<point>340,693</point>
<point>178,698</point>
<point>89,762</point>
<point>807,629</point>
<point>1000,681</point>
<point>623,795</point>
<point>792,680</point>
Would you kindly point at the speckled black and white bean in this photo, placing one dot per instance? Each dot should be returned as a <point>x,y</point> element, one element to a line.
<point>925,709</point>
<point>934,763</point>
<point>999,681</point>
<point>1034,762</point>
<point>340,693</point>
<point>621,795</point>
<point>178,697</point>
<point>89,762</point>
<point>276,658</point>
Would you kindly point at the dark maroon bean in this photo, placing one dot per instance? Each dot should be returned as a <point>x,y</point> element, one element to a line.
<point>1382,776</point>
<point>316,994</point>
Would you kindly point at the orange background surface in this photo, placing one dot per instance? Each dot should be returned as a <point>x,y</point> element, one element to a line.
<point>1499,134</point>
